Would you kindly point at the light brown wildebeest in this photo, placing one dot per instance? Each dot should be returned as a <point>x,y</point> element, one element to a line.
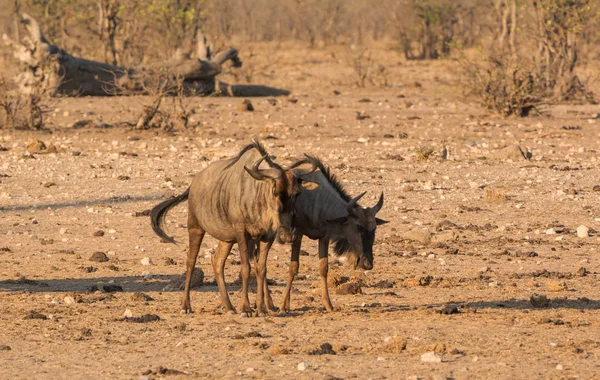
<point>326,212</point>
<point>237,204</point>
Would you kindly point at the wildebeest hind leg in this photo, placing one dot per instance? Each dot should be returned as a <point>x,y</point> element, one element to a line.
<point>294,266</point>
<point>323,270</point>
<point>196,234</point>
<point>218,262</point>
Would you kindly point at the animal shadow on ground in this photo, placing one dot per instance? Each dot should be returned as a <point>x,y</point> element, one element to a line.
<point>157,283</point>
<point>525,304</point>
<point>83,203</point>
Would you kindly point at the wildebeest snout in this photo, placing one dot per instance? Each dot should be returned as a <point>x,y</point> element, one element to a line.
<point>286,235</point>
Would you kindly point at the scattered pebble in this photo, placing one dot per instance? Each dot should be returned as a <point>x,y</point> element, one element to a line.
<point>99,257</point>
<point>146,261</point>
<point>302,366</point>
<point>431,357</point>
<point>583,232</point>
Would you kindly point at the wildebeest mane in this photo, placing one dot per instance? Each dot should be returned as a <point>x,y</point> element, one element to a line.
<point>331,178</point>
<point>341,244</point>
<point>254,145</point>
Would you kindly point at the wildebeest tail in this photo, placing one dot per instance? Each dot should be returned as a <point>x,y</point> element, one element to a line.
<point>159,212</point>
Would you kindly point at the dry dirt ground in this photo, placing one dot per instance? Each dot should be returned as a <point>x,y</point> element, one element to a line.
<point>474,227</point>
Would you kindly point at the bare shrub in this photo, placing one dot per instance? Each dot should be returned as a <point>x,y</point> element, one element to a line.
<point>503,84</point>
<point>510,80</point>
<point>495,195</point>
<point>23,111</point>
<point>427,29</point>
<point>362,64</point>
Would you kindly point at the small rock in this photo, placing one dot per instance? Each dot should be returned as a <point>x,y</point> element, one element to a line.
<point>68,300</point>
<point>550,231</point>
<point>422,237</point>
<point>485,269</point>
<point>559,367</point>
<point>128,314</point>
<point>596,188</point>
<point>362,140</point>
<point>99,257</point>
<point>146,261</point>
<point>141,297</point>
<point>394,345</point>
<point>302,366</point>
<point>431,357</point>
<point>349,288</point>
<point>556,286</point>
<point>539,301</point>
<point>513,153</point>
<point>449,309</point>
<point>63,231</point>
<point>324,349</point>
<point>246,105</point>
<point>582,272</point>
<point>444,237</point>
<point>36,146</point>
<point>4,347</point>
<point>583,232</point>
<point>99,233</point>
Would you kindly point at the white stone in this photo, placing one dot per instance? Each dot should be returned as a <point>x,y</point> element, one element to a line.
<point>63,231</point>
<point>583,231</point>
<point>550,231</point>
<point>146,261</point>
<point>112,231</point>
<point>128,314</point>
<point>302,366</point>
<point>431,357</point>
<point>69,300</point>
<point>362,140</point>
<point>559,367</point>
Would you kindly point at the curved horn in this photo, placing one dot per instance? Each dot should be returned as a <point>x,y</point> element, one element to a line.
<point>259,174</point>
<point>353,203</point>
<point>379,204</point>
<point>308,160</point>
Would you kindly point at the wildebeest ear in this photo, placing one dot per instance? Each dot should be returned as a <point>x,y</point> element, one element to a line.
<point>380,221</point>
<point>342,220</point>
<point>308,185</point>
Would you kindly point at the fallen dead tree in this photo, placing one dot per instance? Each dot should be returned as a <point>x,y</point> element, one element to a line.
<point>50,67</point>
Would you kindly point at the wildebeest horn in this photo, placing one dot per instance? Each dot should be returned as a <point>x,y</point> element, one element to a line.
<point>353,202</point>
<point>261,175</point>
<point>308,160</point>
<point>379,204</point>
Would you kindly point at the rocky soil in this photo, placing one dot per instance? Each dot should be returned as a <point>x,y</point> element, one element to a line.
<point>488,268</point>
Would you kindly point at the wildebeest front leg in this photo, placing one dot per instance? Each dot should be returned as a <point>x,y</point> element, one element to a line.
<point>267,294</point>
<point>196,234</point>
<point>261,276</point>
<point>323,270</point>
<point>218,262</point>
<point>294,266</point>
<point>245,269</point>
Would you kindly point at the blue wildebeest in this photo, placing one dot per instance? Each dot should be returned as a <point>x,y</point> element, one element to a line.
<point>237,204</point>
<point>326,212</point>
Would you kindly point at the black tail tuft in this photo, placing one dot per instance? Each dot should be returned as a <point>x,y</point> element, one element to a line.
<point>159,212</point>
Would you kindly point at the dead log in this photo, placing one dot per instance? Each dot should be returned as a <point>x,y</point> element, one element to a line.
<point>50,67</point>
